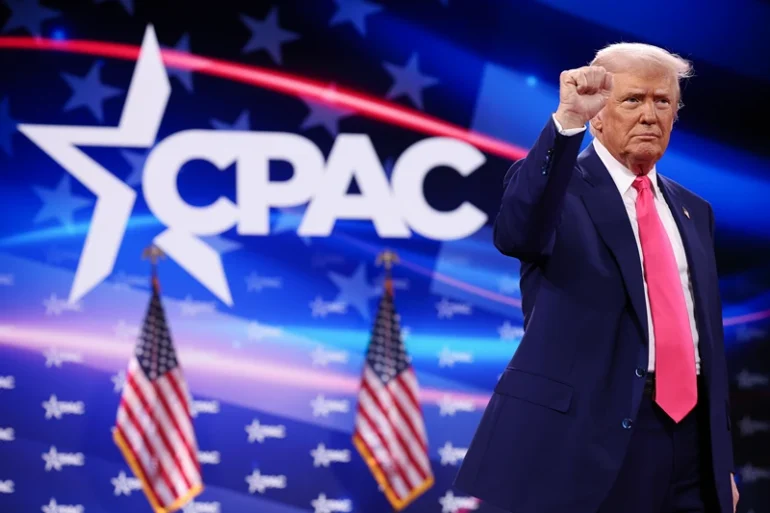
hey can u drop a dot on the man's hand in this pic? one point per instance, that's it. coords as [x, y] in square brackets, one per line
[735, 493]
[583, 92]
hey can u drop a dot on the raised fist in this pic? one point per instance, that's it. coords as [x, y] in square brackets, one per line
[583, 92]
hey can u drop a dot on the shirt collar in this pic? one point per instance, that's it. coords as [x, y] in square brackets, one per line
[621, 175]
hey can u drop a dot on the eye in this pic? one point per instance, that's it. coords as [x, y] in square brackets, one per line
[632, 99]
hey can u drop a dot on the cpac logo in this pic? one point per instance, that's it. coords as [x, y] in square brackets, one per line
[322, 504]
[323, 357]
[7, 382]
[55, 460]
[54, 408]
[202, 507]
[54, 507]
[260, 432]
[395, 208]
[209, 457]
[452, 504]
[323, 457]
[451, 455]
[448, 358]
[748, 426]
[54, 358]
[7, 434]
[124, 485]
[260, 483]
[208, 407]
[322, 406]
[449, 405]
[447, 309]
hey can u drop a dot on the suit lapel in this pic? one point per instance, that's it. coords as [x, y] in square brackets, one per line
[605, 206]
[693, 248]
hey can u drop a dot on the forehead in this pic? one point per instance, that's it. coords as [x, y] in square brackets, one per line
[645, 80]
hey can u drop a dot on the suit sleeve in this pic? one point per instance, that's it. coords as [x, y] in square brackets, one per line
[534, 191]
[719, 331]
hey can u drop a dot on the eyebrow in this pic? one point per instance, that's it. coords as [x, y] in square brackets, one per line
[657, 92]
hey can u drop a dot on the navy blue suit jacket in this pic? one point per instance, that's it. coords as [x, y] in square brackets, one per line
[555, 431]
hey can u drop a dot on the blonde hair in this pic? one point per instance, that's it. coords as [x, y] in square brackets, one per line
[619, 57]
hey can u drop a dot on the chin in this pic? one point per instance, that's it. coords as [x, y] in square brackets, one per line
[647, 151]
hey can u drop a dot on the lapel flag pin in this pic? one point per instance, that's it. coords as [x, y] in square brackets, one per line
[686, 213]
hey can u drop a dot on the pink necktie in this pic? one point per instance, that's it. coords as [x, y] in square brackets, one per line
[676, 389]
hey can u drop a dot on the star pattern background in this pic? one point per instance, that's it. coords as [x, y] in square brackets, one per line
[488, 67]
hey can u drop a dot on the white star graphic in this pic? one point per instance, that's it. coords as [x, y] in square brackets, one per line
[52, 409]
[51, 507]
[145, 103]
[409, 80]
[119, 381]
[123, 484]
[51, 459]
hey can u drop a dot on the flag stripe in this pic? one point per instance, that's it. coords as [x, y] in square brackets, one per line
[133, 443]
[137, 434]
[132, 457]
[369, 412]
[153, 426]
[177, 433]
[156, 444]
[410, 388]
[171, 443]
[387, 466]
[176, 380]
[165, 387]
[390, 399]
[390, 428]
[171, 434]
[385, 425]
[388, 416]
[404, 401]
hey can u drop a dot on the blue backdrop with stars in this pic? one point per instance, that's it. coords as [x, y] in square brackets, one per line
[274, 377]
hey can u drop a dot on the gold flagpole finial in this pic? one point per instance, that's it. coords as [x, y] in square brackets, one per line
[153, 253]
[387, 259]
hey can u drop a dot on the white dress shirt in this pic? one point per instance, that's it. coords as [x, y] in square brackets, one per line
[624, 178]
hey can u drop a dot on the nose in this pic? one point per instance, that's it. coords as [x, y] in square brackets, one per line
[649, 115]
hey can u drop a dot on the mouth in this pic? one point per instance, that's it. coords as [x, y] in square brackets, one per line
[647, 137]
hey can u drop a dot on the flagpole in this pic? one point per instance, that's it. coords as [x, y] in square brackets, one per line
[153, 253]
[387, 259]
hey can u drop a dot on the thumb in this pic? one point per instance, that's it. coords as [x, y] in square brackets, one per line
[607, 83]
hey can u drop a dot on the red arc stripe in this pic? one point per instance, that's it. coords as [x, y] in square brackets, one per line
[281, 82]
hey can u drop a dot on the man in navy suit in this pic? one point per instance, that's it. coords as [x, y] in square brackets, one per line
[616, 400]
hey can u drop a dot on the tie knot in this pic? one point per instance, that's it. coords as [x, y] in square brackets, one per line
[642, 183]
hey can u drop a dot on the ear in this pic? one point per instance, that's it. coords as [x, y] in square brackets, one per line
[596, 122]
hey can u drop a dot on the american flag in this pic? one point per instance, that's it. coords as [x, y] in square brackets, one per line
[389, 428]
[154, 427]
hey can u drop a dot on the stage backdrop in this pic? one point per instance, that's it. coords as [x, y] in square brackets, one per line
[273, 150]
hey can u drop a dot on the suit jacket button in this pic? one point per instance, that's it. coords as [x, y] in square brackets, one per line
[627, 423]
[640, 372]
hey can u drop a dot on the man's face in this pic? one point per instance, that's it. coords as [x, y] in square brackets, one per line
[635, 125]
